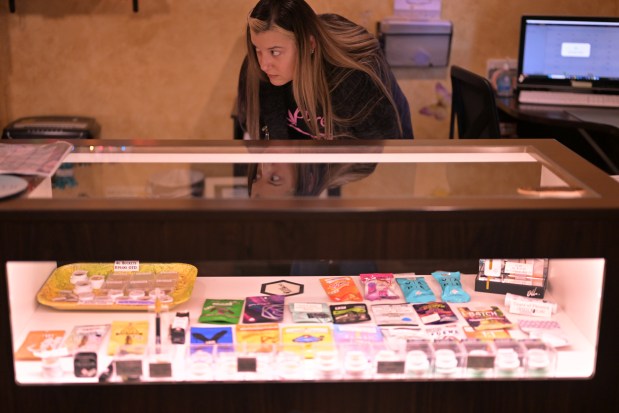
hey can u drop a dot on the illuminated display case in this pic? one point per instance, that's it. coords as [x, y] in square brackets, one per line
[310, 211]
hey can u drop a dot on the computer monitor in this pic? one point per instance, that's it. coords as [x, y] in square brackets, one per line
[567, 52]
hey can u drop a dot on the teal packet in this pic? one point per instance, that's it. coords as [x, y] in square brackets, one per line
[310, 313]
[453, 292]
[416, 290]
[221, 311]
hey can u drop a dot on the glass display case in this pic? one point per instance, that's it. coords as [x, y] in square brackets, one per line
[115, 261]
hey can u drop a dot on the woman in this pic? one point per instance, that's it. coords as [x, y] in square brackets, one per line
[320, 77]
[276, 180]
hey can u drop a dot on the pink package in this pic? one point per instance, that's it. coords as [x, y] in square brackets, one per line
[378, 286]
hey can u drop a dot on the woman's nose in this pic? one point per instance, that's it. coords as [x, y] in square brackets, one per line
[265, 63]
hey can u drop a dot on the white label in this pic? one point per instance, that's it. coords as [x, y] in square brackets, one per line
[430, 318]
[180, 322]
[308, 307]
[126, 266]
[531, 308]
[492, 268]
[575, 49]
[518, 268]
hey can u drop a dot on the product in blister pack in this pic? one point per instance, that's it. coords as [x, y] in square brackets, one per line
[221, 311]
[264, 309]
[525, 277]
[341, 289]
[86, 337]
[210, 335]
[356, 334]
[307, 339]
[415, 289]
[38, 341]
[485, 318]
[378, 286]
[127, 333]
[259, 337]
[310, 313]
[548, 331]
[452, 287]
[435, 312]
[349, 313]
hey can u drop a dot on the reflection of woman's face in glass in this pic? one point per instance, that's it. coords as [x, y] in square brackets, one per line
[274, 180]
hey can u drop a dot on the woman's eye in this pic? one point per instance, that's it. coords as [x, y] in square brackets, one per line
[275, 179]
[275, 52]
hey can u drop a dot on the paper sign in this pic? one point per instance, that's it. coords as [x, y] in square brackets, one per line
[126, 266]
[518, 268]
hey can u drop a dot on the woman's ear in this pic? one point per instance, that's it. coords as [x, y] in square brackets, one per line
[312, 44]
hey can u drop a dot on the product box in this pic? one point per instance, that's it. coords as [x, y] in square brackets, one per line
[526, 276]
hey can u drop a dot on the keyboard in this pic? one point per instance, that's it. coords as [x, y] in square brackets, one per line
[544, 97]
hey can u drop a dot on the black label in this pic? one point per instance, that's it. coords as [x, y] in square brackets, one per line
[246, 365]
[390, 367]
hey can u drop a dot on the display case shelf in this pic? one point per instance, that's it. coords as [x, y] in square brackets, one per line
[575, 359]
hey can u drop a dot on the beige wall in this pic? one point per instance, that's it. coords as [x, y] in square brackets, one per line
[170, 70]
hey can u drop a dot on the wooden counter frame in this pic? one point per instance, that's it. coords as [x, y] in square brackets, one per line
[187, 230]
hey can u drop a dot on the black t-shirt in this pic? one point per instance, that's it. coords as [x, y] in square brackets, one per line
[282, 119]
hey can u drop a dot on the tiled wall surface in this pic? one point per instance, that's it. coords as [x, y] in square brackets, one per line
[170, 71]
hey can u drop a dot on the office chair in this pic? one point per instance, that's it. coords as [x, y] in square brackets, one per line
[473, 106]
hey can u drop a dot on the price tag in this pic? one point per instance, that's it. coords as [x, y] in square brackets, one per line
[129, 368]
[246, 364]
[160, 369]
[126, 266]
[390, 367]
[480, 362]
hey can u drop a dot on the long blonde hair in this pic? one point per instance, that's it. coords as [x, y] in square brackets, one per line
[340, 47]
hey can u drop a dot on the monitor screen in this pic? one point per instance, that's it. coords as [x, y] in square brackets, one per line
[560, 52]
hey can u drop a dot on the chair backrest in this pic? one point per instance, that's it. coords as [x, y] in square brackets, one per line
[472, 106]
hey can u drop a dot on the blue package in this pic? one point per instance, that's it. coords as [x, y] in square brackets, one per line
[452, 287]
[416, 290]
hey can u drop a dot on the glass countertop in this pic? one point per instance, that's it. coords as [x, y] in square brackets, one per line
[351, 170]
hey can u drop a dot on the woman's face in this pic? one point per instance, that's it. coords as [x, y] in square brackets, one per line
[274, 180]
[277, 55]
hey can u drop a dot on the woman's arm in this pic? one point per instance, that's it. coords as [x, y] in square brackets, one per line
[364, 112]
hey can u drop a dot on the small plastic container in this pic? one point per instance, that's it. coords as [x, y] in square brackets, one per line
[82, 287]
[290, 365]
[129, 362]
[389, 364]
[356, 364]
[78, 276]
[327, 364]
[480, 357]
[539, 358]
[160, 359]
[449, 358]
[96, 281]
[199, 361]
[509, 358]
